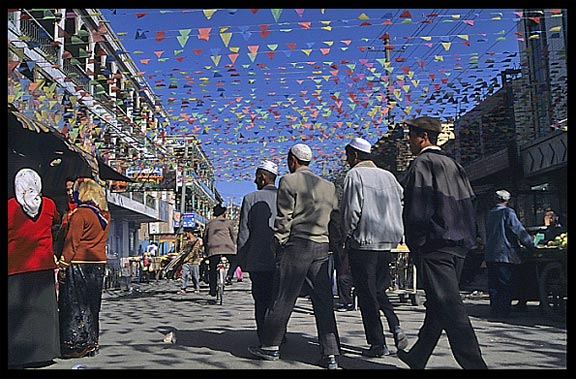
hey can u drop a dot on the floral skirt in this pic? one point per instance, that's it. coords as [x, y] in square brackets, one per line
[79, 301]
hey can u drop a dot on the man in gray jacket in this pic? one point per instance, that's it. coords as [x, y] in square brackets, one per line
[256, 238]
[372, 226]
[306, 204]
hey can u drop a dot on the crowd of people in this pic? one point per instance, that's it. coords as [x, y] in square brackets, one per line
[286, 236]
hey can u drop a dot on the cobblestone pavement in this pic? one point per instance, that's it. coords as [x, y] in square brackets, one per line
[153, 327]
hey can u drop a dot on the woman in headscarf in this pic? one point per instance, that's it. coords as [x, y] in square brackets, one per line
[33, 338]
[81, 274]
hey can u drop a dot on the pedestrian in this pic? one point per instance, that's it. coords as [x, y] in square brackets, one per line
[344, 282]
[256, 238]
[505, 235]
[191, 262]
[219, 240]
[81, 274]
[33, 337]
[305, 205]
[60, 234]
[440, 228]
[372, 226]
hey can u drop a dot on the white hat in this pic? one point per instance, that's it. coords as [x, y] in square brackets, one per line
[269, 166]
[302, 152]
[503, 195]
[361, 144]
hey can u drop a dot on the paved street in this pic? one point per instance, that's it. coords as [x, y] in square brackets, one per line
[135, 327]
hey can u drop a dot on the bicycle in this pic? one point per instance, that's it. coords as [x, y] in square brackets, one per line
[221, 269]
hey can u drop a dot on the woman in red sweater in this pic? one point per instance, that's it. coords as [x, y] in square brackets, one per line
[81, 274]
[33, 338]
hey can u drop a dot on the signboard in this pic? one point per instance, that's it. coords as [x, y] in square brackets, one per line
[157, 178]
[187, 218]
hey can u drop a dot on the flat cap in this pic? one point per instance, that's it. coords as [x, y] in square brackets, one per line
[269, 166]
[361, 144]
[302, 152]
[426, 123]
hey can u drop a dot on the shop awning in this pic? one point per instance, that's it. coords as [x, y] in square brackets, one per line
[108, 173]
[56, 141]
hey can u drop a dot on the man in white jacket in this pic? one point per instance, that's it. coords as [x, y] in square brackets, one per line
[372, 225]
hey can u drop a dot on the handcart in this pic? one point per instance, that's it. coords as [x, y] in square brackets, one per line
[543, 276]
[403, 273]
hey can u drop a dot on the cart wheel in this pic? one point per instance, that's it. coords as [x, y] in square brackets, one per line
[402, 298]
[414, 300]
[552, 288]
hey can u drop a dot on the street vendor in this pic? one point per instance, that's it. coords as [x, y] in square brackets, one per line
[553, 226]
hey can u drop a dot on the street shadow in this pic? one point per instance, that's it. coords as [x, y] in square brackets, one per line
[299, 348]
[532, 316]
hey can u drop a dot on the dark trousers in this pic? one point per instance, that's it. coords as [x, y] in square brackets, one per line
[345, 284]
[371, 276]
[261, 282]
[302, 259]
[439, 274]
[212, 277]
[502, 279]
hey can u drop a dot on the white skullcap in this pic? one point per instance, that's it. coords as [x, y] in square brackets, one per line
[361, 144]
[503, 195]
[302, 152]
[269, 166]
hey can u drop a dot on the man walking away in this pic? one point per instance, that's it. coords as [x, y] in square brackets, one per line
[256, 238]
[305, 205]
[371, 226]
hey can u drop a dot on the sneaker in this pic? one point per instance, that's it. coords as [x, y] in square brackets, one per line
[228, 281]
[269, 355]
[376, 351]
[182, 292]
[400, 339]
[329, 362]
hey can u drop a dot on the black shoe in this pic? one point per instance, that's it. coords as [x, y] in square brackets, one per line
[228, 281]
[376, 351]
[405, 357]
[345, 308]
[269, 355]
[400, 339]
[329, 361]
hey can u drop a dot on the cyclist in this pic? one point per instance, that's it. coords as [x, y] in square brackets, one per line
[219, 240]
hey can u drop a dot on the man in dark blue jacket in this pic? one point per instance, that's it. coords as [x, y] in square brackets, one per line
[440, 228]
[504, 235]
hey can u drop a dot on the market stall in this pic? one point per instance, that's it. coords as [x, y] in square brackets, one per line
[544, 274]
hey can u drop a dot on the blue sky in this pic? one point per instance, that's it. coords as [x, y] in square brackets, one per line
[250, 83]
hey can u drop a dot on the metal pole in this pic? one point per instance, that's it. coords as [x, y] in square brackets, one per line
[183, 196]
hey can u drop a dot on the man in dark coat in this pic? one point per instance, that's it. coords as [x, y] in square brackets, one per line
[440, 227]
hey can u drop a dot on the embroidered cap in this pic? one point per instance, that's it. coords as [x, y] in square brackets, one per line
[302, 152]
[361, 144]
[503, 195]
[426, 123]
[269, 166]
